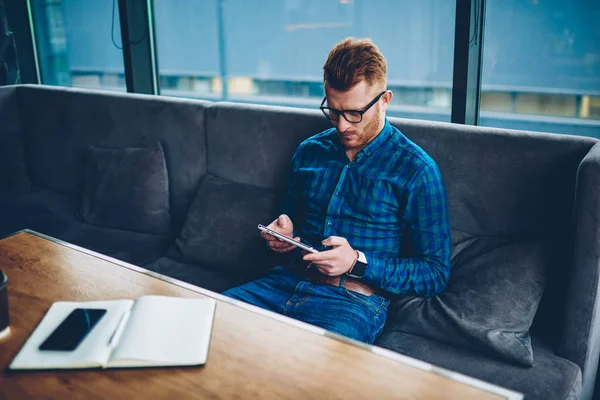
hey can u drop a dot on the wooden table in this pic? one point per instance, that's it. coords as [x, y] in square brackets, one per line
[253, 354]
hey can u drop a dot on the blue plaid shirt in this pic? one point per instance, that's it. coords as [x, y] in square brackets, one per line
[389, 203]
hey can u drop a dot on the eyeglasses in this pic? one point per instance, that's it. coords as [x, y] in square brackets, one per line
[352, 116]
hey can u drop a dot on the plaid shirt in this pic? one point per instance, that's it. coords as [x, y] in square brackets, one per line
[389, 203]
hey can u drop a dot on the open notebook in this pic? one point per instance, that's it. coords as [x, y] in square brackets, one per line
[152, 331]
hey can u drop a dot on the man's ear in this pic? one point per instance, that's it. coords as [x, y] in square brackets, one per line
[387, 98]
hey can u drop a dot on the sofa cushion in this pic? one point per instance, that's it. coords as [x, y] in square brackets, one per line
[12, 152]
[489, 303]
[132, 247]
[127, 188]
[221, 231]
[196, 274]
[552, 377]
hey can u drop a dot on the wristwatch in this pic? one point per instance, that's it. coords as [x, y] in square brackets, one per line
[359, 267]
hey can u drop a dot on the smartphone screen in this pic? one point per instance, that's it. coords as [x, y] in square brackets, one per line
[71, 332]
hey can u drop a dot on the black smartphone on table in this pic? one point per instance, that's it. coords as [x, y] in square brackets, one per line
[71, 332]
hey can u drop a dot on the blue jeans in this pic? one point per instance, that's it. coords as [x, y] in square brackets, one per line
[333, 308]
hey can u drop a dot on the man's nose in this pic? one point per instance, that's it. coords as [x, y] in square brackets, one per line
[342, 124]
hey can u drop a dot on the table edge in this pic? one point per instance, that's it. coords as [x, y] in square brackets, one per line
[379, 351]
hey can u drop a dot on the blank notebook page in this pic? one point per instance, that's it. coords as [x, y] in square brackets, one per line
[166, 331]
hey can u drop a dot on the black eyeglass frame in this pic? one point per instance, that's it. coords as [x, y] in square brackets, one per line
[325, 110]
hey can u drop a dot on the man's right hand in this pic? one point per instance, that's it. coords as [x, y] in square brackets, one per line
[283, 225]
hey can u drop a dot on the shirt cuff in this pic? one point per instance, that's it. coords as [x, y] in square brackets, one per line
[361, 257]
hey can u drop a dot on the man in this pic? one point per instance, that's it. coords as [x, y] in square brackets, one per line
[374, 198]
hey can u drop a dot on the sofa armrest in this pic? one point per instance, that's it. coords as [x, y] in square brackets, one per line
[580, 340]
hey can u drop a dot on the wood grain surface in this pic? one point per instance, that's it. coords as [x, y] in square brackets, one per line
[251, 355]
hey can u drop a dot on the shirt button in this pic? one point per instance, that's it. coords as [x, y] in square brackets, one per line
[348, 166]
[329, 223]
[338, 194]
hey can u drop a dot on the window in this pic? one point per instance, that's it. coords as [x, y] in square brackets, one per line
[187, 48]
[541, 66]
[273, 52]
[78, 43]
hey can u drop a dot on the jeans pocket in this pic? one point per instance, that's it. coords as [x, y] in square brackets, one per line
[376, 303]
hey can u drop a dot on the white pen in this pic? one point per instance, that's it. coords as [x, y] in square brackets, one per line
[119, 329]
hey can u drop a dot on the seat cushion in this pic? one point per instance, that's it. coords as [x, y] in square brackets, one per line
[489, 303]
[196, 274]
[53, 214]
[132, 247]
[551, 377]
[127, 188]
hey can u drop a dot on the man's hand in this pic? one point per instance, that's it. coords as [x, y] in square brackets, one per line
[336, 261]
[283, 225]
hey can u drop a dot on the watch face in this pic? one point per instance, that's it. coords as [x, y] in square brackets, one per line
[359, 269]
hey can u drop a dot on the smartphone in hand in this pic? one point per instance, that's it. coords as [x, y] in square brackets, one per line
[288, 239]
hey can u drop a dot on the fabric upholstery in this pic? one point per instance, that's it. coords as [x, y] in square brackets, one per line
[172, 265]
[127, 188]
[552, 377]
[68, 121]
[221, 231]
[262, 156]
[132, 247]
[501, 182]
[489, 303]
[13, 175]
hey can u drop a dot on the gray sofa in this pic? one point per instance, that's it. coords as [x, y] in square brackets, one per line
[227, 166]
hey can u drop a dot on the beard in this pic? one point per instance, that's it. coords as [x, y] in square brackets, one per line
[366, 134]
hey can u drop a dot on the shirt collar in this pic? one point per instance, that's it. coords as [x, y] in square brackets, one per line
[376, 143]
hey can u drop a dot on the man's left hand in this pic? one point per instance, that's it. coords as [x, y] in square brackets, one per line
[336, 261]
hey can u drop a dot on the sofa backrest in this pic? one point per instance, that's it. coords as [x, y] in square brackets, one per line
[254, 144]
[61, 123]
[501, 182]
